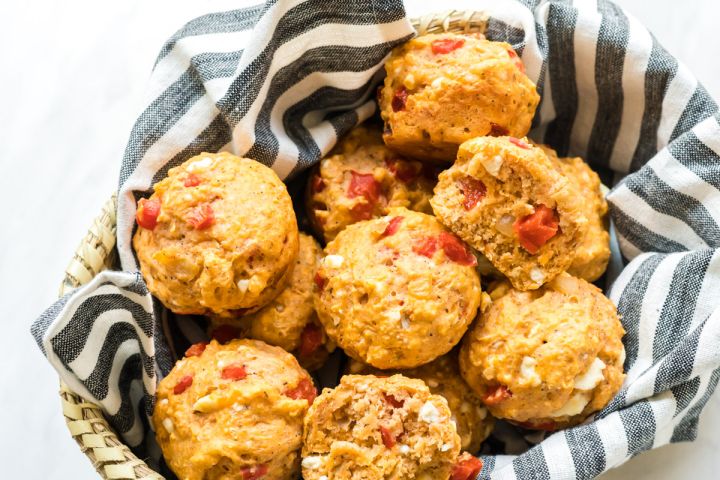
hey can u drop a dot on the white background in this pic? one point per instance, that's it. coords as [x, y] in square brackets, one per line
[72, 76]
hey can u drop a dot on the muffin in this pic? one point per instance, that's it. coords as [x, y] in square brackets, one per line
[233, 411]
[506, 198]
[397, 291]
[547, 358]
[289, 320]
[362, 179]
[442, 376]
[218, 236]
[379, 428]
[444, 89]
[593, 253]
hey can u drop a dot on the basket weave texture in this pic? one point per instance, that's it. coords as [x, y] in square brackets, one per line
[111, 458]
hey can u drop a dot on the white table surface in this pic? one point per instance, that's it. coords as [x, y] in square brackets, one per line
[72, 78]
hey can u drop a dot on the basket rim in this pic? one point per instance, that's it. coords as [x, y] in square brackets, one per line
[97, 251]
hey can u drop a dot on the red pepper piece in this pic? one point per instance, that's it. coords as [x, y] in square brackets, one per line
[305, 389]
[474, 191]
[363, 185]
[496, 395]
[497, 130]
[514, 57]
[446, 45]
[399, 99]
[536, 229]
[362, 211]
[402, 169]
[468, 468]
[234, 371]
[426, 246]
[224, 333]
[183, 384]
[392, 401]
[519, 143]
[456, 250]
[192, 180]
[196, 349]
[392, 227]
[388, 438]
[254, 473]
[318, 184]
[201, 217]
[147, 212]
[320, 281]
[311, 339]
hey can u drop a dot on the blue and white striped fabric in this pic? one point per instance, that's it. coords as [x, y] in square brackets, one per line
[282, 81]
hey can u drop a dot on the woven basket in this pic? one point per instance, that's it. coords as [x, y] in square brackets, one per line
[110, 457]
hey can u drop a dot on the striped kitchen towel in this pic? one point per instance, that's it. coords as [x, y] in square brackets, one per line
[282, 81]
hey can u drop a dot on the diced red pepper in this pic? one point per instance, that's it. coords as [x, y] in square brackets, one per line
[183, 384]
[388, 438]
[426, 246]
[519, 143]
[497, 130]
[468, 468]
[362, 211]
[201, 217]
[196, 349]
[311, 339]
[446, 45]
[192, 180]
[363, 185]
[320, 281]
[536, 229]
[392, 227]
[147, 212]
[305, 389]
[456, 250]
[399, 99]
[254, 473]
[403, 170]
[514, 57]
[234, 371]
[318, 184]
[474, 191]
[392, 401]
[224, 333]
[496, 395]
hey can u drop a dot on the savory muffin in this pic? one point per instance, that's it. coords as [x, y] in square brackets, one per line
[362, 179]
[506, 198]
[233, 411]
[444, 89]
[592, 255]
[442, 376]
[218, 236]
[397, 291]
[379, 428]
[289, 320]
[547, 358]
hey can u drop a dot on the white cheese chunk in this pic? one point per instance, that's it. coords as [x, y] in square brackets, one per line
[428, 413]
[592, 376]
[528, 374]
[333, 261]
[168, 424]
[492, 164]
[574, 406]
[312, 463]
